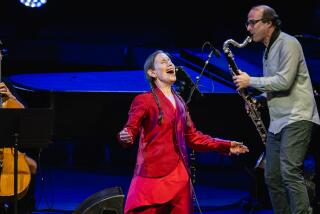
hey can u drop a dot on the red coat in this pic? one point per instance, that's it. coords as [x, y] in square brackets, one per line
[161, 146]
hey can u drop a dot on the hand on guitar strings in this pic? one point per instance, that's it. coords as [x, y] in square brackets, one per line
[5, 92]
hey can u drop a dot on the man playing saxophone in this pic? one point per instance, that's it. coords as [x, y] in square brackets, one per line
[287, 88]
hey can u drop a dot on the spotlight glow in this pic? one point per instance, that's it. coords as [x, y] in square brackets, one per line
[33, 3]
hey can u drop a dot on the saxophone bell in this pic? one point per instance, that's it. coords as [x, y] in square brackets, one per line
[261, 161]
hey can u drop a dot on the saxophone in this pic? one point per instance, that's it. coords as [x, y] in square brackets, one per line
[252, 104]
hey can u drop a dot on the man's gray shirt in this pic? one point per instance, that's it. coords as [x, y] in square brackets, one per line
[287, 84]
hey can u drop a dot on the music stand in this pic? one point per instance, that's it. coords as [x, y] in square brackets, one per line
[24, 128]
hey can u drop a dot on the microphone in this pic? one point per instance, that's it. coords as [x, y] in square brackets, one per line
[184, 83]
[215, 51]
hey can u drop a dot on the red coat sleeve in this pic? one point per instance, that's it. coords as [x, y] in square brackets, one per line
[135, 116]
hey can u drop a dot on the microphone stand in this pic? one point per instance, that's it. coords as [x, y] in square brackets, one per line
[192, 155]
[201, 73]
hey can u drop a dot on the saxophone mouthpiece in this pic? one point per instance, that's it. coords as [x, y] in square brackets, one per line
[249, 39]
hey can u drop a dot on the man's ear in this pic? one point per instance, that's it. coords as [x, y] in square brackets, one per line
[152, 73]
[270, 24]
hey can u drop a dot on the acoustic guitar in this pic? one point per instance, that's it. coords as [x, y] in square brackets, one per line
[7, 166]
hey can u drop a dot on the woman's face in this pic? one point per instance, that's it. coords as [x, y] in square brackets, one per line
[164, 69]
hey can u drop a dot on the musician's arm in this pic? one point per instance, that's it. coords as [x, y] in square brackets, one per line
[32, 164]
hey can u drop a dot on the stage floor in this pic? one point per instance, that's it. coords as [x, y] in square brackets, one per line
[63, 190]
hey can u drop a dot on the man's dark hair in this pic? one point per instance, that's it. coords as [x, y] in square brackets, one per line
[269, 15]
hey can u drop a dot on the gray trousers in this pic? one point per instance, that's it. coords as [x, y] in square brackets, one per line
[285, 153]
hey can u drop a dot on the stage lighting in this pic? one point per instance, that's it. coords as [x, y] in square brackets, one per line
[33, 3]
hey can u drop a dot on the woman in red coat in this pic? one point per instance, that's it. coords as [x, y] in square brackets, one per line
[161, 181]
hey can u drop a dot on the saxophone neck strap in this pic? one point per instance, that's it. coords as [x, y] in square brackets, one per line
[273, 38]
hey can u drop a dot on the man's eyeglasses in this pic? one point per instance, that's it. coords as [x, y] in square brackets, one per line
[252, 22]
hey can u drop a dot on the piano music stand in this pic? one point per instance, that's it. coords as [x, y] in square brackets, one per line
[24, 128]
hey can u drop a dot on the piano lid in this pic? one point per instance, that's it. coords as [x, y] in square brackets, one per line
[103, 81]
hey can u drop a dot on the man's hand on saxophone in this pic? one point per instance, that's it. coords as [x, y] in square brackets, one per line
[242, 80]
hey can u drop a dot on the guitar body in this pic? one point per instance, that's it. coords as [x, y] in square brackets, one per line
[12, 103]
[7, 174]
[7, 166]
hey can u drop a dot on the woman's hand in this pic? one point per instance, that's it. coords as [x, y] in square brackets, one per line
[125, 137]
[238, 148]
